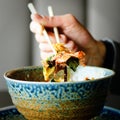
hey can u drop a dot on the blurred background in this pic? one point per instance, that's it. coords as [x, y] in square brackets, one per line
[17, 44]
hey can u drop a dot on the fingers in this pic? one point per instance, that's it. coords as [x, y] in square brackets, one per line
[63, 39]
[70, 27]
[36, 27]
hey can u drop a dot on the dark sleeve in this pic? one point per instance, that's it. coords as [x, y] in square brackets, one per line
[112, 61]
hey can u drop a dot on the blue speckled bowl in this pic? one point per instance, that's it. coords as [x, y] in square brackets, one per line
[39, 100]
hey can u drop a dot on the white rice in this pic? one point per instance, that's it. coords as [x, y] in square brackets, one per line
[82, 73]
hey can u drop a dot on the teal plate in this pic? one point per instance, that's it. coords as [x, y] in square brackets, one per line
[11, 113]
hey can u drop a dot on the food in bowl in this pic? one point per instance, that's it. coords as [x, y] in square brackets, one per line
[37, 99]
[59, 67]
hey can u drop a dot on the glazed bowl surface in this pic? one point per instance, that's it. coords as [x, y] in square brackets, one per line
[39, 100]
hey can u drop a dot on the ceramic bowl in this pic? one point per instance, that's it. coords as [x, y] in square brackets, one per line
[39, 100]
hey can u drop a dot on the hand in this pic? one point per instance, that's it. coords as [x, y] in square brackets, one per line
[72, 33]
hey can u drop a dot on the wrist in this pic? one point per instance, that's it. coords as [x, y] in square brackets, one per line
[95, 55]
[102, 49]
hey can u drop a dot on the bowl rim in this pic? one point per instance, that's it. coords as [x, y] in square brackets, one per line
[34, 82]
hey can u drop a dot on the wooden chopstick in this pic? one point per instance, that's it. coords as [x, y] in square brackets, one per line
[50, 11]
[33, 11]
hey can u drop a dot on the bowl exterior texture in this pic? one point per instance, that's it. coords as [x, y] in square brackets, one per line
[56, 101]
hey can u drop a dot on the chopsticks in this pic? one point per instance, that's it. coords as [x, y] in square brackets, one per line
[33, 11]
[50, 11]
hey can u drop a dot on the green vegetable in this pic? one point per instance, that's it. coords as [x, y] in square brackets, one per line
[73, 63]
